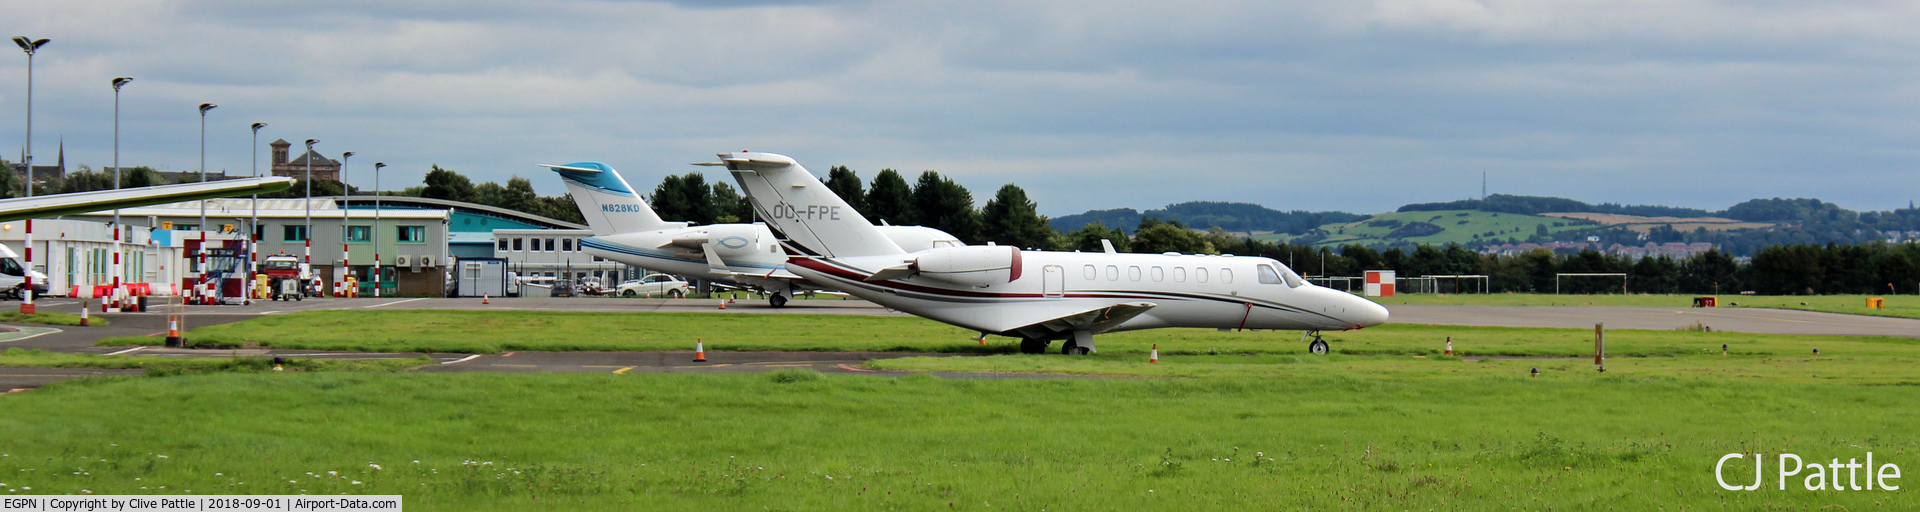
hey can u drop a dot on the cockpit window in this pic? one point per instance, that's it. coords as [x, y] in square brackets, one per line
[1268, 276]
[1284, 276]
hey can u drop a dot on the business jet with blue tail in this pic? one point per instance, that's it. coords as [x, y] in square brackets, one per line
[1037, 296]
[627, 230]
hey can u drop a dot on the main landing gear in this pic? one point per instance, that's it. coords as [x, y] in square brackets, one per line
[1319, 346]
[778, 300]
[1033, 346]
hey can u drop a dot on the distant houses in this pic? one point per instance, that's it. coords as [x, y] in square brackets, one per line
[1675, 250]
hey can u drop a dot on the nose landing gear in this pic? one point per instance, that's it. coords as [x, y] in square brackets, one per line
[1319, 346]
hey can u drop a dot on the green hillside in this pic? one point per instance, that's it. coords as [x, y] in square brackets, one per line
[1454, 226]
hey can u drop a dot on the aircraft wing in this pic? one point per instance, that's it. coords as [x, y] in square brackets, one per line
[1098, 320]
[86, 202]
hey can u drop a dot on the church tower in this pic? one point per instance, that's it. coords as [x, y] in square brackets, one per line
[280, 151]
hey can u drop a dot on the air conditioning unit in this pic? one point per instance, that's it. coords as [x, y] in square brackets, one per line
[426, 261]
[402, 261]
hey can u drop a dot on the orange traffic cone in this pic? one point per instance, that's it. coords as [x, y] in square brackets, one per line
[173, 331]
[1449, 345]
[486, 299]
[723, 305]
[699, 351]
[1154, 357]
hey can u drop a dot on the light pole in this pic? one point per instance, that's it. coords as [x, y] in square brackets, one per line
[253, 226]
[204, 107]
[377, 276]
[307, 236]
[31, 46]
[118, 268]
[346, 224]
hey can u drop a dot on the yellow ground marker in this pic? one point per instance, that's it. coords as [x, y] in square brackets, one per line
[622, 371]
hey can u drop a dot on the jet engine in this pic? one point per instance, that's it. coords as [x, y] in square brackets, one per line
[734, 240]
[974, 265]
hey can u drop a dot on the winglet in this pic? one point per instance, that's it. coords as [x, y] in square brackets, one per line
[1108, 246]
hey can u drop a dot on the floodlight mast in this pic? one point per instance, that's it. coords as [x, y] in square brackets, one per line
[253, 226]
[204, 107]
[377, 275]
[31, 46]
[119, 268]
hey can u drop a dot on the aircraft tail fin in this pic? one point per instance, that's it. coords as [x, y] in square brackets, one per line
[798, 204]
[605, 199]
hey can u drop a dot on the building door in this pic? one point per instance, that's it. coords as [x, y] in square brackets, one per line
[1054, 283]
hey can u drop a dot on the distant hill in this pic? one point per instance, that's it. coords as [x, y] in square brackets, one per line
[1241, 217]
[1535, 205]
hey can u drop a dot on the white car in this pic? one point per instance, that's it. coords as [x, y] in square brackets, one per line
[656, 285]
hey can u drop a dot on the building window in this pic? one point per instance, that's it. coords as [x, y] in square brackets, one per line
[502, 244]
[516, 245]
[549, 245]
[359, 233]
[293, 233]
[412, 234]
[259, 233]
[566, 244]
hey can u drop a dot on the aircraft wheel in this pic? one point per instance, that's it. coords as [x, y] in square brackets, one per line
[1032, 346]
[778, 300]
[1072, 349]
[1318, 347]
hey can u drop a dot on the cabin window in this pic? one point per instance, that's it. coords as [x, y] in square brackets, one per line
[1179, 274]
[1113, 272]
[1226, 275]
[1133, 273]
[1200, 274]
[1158, 274]
[1091, 272]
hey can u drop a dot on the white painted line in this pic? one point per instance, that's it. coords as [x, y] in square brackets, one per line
[463, 359]
[392, 303]
[127, 350]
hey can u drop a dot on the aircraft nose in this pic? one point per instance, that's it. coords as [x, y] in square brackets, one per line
[1365, 313]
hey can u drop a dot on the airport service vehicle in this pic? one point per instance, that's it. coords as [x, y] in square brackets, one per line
[627, 230]
[1037, 296]
[285, 277]
[13, 276]
[656, 285]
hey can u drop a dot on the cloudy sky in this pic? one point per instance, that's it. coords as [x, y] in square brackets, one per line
[1359, 106]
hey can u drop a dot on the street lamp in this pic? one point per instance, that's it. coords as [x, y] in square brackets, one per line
[307, 236]
[204, 107]
[30, 46]
[253, 255]
[118, 270]
[377, 276]
[346, 224]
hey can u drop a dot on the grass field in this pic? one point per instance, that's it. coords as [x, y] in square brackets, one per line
[500, 331]
[48, 318]
[800, 441]
[1459, 226]
[157, 366]
[1904, 306]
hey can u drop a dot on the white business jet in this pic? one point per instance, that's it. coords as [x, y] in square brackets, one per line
[627, 230]
[1038, 296]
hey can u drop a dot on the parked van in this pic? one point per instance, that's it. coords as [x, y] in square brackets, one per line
[13, 276]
